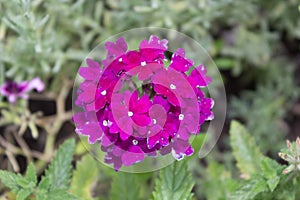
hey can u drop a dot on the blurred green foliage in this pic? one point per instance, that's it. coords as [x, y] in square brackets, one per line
[264, 180]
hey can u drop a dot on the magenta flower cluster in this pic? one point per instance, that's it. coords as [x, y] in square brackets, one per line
[138, 103]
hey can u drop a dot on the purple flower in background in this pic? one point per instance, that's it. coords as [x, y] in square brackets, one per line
[135, 106]
[13, 90]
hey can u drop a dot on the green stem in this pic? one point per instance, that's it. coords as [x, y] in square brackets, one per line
[50, 143]
[1, 78]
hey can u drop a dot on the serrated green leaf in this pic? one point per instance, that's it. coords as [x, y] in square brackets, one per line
[270, 169]
[44, 184]
[23, 194]
[23, 182]
[84, 177]
[175, 182]
[124, 186]
[31, 175]
[59, 171]
[61, 195]
[249, 189]
[41, 196]
[245, 150]
[218, 182]
[10, 180]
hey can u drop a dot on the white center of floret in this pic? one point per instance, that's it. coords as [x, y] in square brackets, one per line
[181, 117]
[120, 59]
[135, 142]
[154, 121]
[103, 92]
[107, 123]
[173, 87]
[143, 63]
[130, 114]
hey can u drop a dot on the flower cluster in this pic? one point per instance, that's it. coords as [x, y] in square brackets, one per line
[140, 102]
[292, 156]
[13, 90]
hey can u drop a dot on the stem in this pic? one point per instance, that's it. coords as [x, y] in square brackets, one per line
[23, 146]
[50, 144]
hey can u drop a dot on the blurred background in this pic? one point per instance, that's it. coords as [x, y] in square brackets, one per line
[255, 44]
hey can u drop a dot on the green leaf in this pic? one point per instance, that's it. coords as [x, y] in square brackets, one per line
[197, 143]
[245, 151]
[218, 182]
[31, 175]
[23, 182]
[23, 194]
[249, 189]
[44, 184]
[11, 180]
[175, 182]
[84, 177]
[124, 186]
[61, 195]
[270, 169]
[59, 171]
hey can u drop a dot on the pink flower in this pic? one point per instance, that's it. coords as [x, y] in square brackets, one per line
[114, 50]
[145, 71]
[92, 72]
[87, 124]
[179, 62]
[132, 123]
[198, 77]
[172, 85]
[13, 90]
[153, 48]
[130, 112]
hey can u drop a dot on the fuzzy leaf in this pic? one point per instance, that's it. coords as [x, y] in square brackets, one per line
[44, 184]
[59, 171]
[84, 177]
[218, 182]
[175, 182]
[270, 169]
[23, 194]
[11, 180]
[245, 150]
[31, 175]
[124, 186]
[249, 189]
[60, 195]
